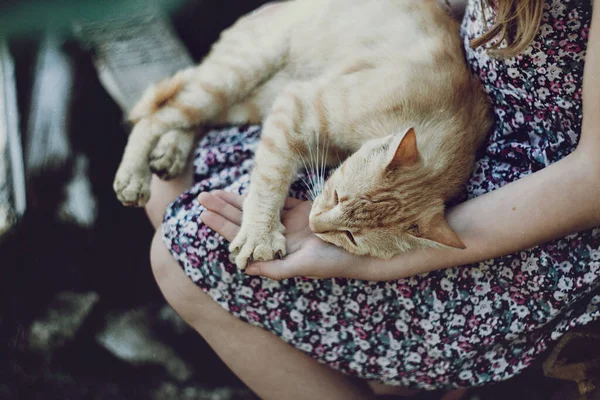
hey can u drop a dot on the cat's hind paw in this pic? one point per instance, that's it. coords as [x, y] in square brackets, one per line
[132, 188]
[251, 246]
[170, 156]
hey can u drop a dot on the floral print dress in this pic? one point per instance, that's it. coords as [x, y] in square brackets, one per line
[463, 326]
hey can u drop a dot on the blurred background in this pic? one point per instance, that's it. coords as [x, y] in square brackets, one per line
[80, 314]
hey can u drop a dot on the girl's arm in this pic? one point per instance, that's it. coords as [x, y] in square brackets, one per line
[561, 199]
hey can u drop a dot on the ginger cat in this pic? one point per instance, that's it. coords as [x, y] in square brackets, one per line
[381, 84]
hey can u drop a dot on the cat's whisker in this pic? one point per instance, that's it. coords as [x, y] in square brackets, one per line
[324, 166]
[317, 163]
[313, 159]
[309, 189]
[310, 164]
[319, 169]
[307, 186]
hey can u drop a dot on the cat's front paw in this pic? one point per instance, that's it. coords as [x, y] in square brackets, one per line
[252, 245]
[132, 186]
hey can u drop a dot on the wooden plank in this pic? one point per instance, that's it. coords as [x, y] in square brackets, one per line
[12, 176]
[48, 146]
[133, 52]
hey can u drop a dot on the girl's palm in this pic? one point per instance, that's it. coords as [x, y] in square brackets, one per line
[308, 256]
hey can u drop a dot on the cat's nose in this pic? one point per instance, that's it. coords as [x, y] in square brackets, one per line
[319, 225]
[316, 225]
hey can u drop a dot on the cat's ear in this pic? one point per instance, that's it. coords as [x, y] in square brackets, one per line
[406, 153]
[438, 230]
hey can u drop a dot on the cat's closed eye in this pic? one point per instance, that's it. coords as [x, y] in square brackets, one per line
[350, 237]
[413, 229]
[336, 198]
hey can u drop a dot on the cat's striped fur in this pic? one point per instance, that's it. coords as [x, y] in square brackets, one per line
[328, 79]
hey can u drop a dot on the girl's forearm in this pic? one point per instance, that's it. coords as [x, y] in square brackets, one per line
[561, 199]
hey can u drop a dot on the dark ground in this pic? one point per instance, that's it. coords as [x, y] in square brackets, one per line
[44, 256]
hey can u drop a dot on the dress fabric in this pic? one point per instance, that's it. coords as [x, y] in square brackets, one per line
[463, 326]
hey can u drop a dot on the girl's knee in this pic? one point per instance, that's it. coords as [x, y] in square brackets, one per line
[161, 260]
[161, 196]
[188, 300]
[168, 275]
[164, 193]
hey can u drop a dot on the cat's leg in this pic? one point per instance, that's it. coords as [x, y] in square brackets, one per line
[171, 154]
[323, 112]
[132, 181]
[289, 134]
[254, 108]
[246, 55]
[276, 164]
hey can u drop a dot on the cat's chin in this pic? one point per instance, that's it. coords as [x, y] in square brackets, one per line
[351, 249]
[382, 255]
[332, 240]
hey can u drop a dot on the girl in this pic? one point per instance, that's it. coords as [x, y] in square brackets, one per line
[437, 319]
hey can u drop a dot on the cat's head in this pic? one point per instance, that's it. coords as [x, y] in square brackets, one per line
[381, 202]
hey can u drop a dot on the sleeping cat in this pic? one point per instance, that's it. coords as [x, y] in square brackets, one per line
[380, 84]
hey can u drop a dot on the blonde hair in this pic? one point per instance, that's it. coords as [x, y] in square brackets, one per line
[517, 22]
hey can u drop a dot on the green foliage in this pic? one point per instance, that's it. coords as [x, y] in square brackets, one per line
[27, 17]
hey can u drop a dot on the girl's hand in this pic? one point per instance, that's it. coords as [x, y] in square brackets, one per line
[307, 255]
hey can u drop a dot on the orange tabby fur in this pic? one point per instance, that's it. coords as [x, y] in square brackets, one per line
[383, 81]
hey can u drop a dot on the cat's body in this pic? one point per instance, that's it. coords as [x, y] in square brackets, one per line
[349, 77]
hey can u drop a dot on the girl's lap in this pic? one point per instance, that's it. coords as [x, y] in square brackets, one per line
[460, 326]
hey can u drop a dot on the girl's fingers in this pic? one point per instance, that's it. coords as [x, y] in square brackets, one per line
[234, 199]
[291, 266]
[220, 224]
[218, 205]
[275, 269]
[237, 200]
